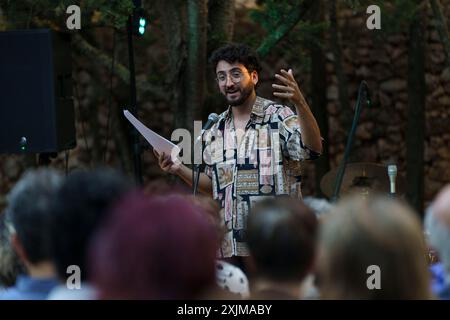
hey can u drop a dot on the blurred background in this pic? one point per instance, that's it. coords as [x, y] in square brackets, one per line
[328, 45]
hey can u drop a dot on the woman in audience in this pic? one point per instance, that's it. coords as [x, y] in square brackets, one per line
[372, 248]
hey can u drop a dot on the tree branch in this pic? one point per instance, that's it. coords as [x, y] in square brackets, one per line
[279, 33]
[119, 69]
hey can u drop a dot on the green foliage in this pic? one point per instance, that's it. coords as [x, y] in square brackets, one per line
[22, 14]
[307, 32]
[113, 13]
[272, 12]
[353, 4]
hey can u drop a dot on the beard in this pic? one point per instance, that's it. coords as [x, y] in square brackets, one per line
[245, 92]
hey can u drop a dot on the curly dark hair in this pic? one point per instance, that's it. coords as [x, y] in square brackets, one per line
[82, 203]
[236, 52]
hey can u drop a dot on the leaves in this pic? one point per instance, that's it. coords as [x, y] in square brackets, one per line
[273, 12]
[113, 13]
[288, 20]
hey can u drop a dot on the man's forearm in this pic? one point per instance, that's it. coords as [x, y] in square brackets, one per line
[310, 130]
[204, 184]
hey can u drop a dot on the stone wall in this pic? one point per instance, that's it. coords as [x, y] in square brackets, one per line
[381, 132]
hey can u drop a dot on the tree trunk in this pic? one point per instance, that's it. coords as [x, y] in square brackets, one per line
[221, 18]
[416, 112]
[221, 15]
[341, 78]
[194, 78]
[184, 25]
[319, 95]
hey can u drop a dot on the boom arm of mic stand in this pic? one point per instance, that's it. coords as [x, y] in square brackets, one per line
[362, 93]
[195, 170]
[196, 178]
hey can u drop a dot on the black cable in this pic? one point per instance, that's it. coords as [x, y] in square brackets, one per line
[113, 56]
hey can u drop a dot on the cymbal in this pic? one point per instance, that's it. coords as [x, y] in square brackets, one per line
[361, 177]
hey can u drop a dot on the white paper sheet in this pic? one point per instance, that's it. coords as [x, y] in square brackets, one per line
[159, 143]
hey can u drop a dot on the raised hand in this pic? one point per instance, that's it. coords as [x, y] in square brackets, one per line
[289, 89]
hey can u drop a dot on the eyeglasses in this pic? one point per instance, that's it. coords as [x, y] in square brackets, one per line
[235, 75]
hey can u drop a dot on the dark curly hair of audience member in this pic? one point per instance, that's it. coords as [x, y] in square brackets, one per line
[82, 203]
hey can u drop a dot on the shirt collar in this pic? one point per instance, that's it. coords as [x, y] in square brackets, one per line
[258, 109]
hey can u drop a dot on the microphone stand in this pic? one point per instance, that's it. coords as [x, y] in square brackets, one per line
[362, 96]
[212, 118]
[196, 178]
[133, 105]
[196, 169]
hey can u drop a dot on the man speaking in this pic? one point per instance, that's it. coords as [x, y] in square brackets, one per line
[255, 149]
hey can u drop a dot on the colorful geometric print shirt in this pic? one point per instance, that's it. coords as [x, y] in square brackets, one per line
[266, 164]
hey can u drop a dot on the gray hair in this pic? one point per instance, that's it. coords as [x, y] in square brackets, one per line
[320, 207]
[32, 189]
[29, 207]
[10, 265]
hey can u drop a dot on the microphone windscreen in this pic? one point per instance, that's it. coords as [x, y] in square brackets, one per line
[213, 117]
[392, 170]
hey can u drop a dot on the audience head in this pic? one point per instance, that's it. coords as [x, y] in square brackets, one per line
[28, 212]
[81, 205]
[159, 247]
[363, 237]
[212, 210]
[10, 265]
[282, 239]
[320, 206]
[437, 225]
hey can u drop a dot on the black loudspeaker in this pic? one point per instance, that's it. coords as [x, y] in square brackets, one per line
[36, 102]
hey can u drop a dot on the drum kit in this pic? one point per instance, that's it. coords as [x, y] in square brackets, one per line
[364, 178]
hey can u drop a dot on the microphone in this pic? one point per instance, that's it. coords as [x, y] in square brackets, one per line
[212, 118]
[392, 173]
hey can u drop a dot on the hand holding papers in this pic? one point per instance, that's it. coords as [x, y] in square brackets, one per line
[160, 144]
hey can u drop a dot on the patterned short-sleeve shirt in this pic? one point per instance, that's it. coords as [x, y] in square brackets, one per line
[266, 164]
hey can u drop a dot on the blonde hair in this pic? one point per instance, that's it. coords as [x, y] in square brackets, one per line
[361, 232]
